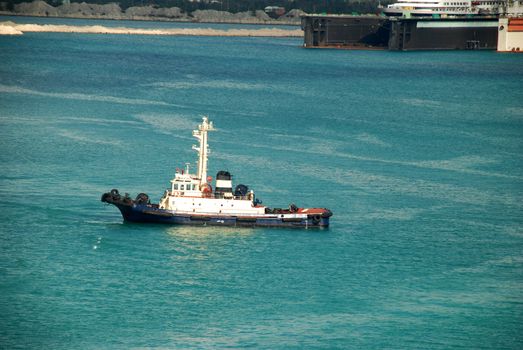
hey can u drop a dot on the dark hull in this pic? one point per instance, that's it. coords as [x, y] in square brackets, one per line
[420, 33]
[443, 34]
[345, 31]
[150, 213]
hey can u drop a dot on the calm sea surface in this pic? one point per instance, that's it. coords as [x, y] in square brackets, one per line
[419, 156]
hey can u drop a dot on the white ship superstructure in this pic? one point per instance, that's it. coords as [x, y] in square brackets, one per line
[192, 193]
[445, 7]
[510, 30]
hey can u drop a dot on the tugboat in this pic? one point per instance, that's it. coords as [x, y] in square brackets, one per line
[192, 201]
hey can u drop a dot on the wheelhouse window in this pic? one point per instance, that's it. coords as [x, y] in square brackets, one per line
[182, 187]
[175, 187]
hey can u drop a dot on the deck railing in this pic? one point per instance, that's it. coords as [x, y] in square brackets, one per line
[211, 195]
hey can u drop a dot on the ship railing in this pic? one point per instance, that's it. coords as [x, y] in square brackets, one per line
[208, 195]
[221, 196]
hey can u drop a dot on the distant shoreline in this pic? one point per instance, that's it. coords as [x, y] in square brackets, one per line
[167, 20]
[113, 11]
[11, 28]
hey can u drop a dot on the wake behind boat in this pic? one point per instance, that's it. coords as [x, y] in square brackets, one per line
[192, 201]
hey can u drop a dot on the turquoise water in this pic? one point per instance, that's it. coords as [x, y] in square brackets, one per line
[419, 156]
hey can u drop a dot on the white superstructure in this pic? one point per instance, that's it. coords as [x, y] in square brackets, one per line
[192, 193]
[445, 7]
[510, 34]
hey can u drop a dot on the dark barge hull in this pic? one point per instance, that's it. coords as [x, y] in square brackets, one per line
[150, 213]
[403, 34]
[443, 34]
[340, 31]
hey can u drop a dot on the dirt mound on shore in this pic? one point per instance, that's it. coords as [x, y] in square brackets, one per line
[114, 11]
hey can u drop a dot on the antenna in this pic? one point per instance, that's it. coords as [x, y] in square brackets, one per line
[203, 149]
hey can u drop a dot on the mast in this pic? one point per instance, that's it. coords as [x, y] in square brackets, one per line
[203, 148]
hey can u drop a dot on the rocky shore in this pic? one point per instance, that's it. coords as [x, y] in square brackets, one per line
[145, 13]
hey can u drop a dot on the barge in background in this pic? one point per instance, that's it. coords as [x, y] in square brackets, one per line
[400, 33]
[192, 201]
[344, 31]
[475, 33]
